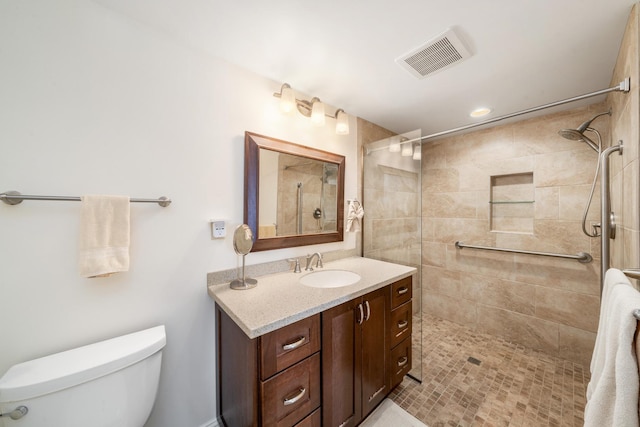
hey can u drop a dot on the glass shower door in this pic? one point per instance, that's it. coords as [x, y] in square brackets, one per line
[392, 225]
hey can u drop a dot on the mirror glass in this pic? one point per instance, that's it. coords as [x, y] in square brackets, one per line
[294, 195]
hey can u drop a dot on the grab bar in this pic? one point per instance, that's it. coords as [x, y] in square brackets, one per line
[14, 198]
[582, 257]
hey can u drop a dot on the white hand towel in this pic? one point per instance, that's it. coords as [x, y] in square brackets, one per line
[612, 393]
[354, 215]
[104, 235]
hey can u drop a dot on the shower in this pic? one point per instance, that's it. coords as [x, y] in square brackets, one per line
[578, 134]
[607, 228]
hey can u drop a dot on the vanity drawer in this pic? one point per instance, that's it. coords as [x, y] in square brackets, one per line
[400, 325]
[312, 420]
[288, 345]
[292, 394]
[400, 362]
[400, 292]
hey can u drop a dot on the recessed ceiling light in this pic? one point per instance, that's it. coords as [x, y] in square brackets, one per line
[479, 112]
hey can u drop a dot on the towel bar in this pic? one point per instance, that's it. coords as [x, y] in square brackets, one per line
[582, 257]
[14, 198]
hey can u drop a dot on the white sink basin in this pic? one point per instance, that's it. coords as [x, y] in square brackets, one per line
[329, 278]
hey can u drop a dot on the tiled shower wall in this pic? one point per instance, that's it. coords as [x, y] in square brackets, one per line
[550, 304]
[625, 169]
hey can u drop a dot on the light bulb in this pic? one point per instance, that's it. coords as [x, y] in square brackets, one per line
[342, 123]
[287, 99]
[317, 112]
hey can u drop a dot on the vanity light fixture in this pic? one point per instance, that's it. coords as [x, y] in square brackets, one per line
[342, 122]
[287, 98]
[407, 150]
[317, 112]
[314, 109]
[394, 146]
[417, 152]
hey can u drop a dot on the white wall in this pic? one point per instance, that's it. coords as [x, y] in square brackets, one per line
[92, 102]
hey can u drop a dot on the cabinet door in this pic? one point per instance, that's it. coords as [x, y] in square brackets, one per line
[341, 387]
[375, 381]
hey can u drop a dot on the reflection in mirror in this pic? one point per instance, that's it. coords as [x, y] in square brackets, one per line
[293, 194]
[297, 196]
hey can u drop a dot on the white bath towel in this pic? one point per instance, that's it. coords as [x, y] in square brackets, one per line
[355, 214]
[612, 393]
[104, 235]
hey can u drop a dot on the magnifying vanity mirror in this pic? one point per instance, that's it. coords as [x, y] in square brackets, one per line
[294, 195]
[242, 243]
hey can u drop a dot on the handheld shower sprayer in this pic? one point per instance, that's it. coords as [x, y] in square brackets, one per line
[578, 133]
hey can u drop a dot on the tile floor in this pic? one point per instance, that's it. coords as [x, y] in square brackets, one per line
[472, 379]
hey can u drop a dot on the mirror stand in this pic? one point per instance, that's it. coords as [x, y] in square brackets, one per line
[243, 282]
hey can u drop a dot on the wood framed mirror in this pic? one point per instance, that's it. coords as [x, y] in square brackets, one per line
[293, 194]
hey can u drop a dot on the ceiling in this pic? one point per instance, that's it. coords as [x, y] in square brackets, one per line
[524, 53]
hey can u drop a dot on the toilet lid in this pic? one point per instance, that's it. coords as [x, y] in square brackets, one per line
[66, 369]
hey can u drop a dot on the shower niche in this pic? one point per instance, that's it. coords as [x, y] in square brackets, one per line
[512, 199]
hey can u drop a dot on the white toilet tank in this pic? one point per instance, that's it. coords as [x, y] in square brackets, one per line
[111, 383]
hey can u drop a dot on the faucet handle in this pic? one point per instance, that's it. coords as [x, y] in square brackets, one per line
[319, 262]
[296, 268]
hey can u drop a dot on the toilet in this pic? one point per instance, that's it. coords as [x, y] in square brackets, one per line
[107, 384]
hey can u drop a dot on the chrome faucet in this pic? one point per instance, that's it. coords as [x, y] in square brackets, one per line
[310, 260]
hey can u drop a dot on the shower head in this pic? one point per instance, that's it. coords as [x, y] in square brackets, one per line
[578, 134]
[571, 134]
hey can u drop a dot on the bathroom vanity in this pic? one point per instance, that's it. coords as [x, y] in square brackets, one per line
[290, 355]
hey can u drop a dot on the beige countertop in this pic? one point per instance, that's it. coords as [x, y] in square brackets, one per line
[279, 299]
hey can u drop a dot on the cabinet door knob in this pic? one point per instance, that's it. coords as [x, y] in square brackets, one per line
[294, 344]
[368, 315]
[402, 324]
[403, 290]
[402, 361]
[291, 400]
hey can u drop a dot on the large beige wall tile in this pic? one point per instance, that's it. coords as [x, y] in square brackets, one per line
[434, 254]
[573, 200]
[569, 308]
[576, 345]
[450, 205]
[547, 205]
[564, 168]
[463, 312]
[568, 275]
[500, 293]
[631, 196]
[526, 330]
[440, 180]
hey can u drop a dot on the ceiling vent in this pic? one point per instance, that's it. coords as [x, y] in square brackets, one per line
[437, 54]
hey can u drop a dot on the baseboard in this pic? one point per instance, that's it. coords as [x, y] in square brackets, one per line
[212, 423]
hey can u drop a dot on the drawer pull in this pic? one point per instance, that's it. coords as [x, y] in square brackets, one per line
[360, 319]
[402, 361]
[368, 315]
[295, 344]
[403, 290]
[294, 399]
[402, 324]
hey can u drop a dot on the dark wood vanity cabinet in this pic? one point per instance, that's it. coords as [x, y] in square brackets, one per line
[330, 369]
[354, 358]
[272, 380]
